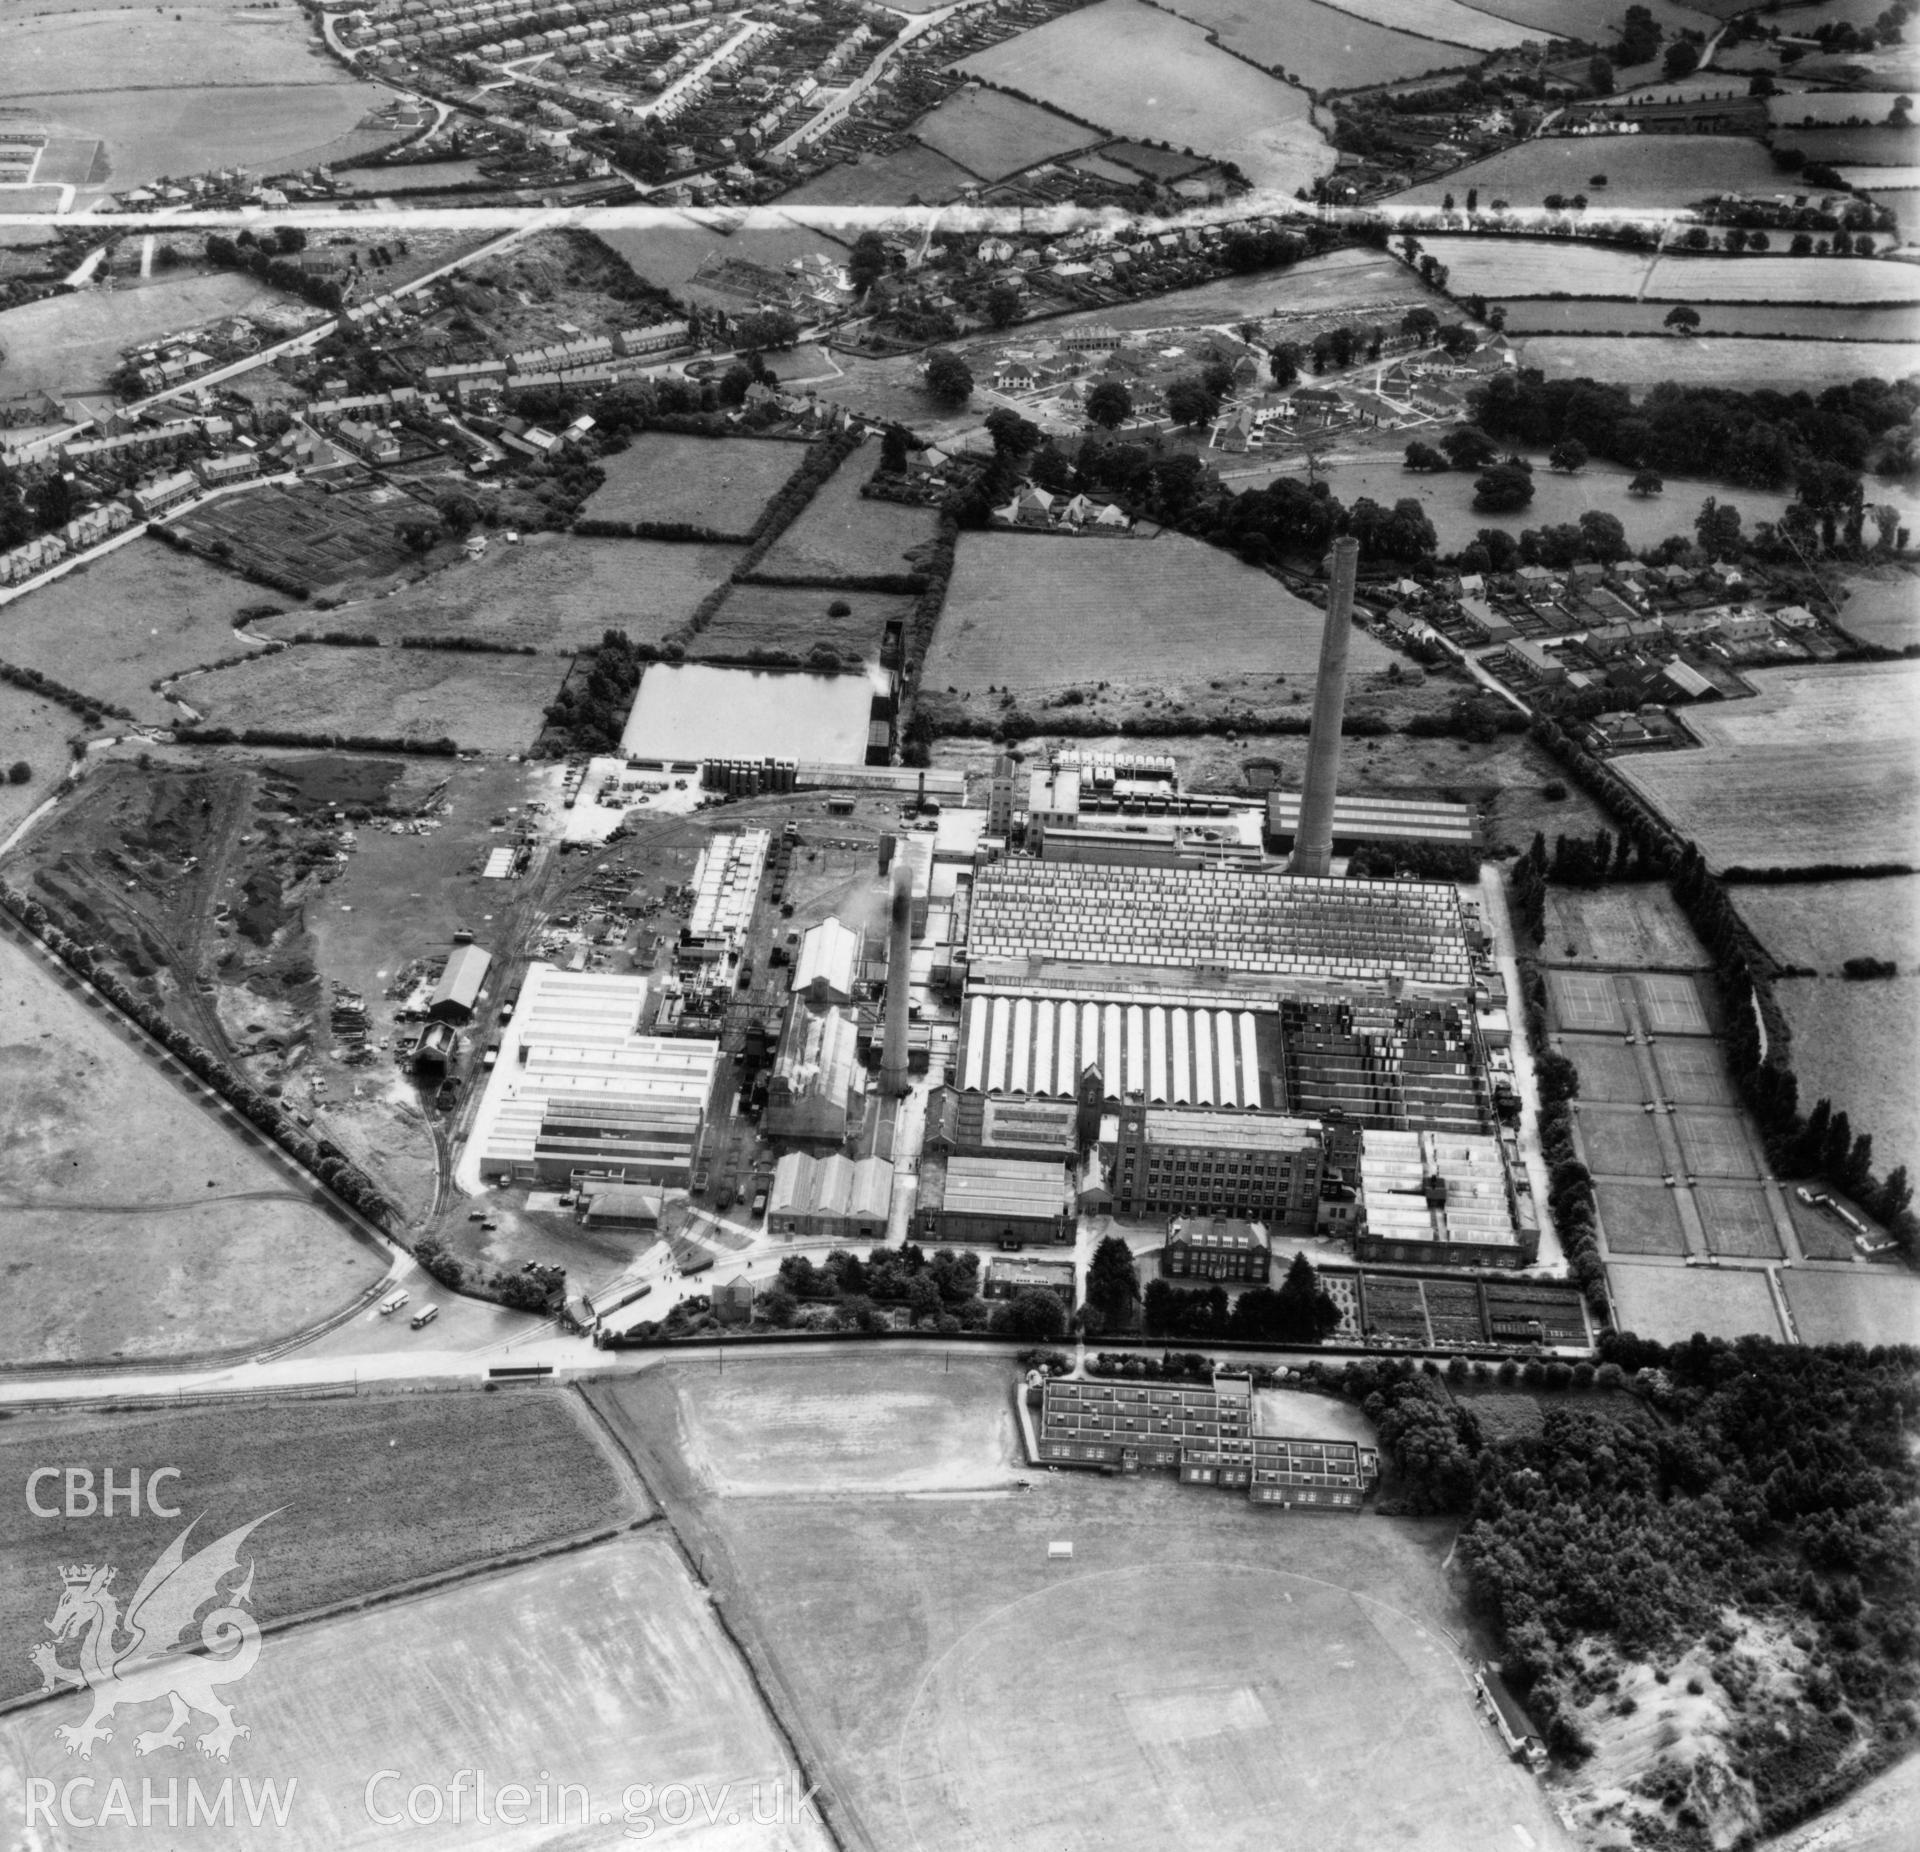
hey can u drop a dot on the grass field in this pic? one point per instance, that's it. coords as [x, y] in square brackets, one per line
[613, 1732]
[37, 732]
[1769, 790]
[367, 1492]
[1821, 1236]
[1669, 1304]
[1742, 366]
[1853, 1044]
[708, 482]
[554, 591]
[908, 176]
[68, 344]
[1785, 325]
[1640, 1218]
[1138, 71]
[1824, 923]
[138, 1225]
[1883, 606]
[994, 135]
[1878, 146]
[141, 612]
[486, 703]
[1575, 19]
[1650, 170]
[1254, 1643]
[1864, 1305]
[1327, 49]
[1501, 268]
[1609, 1070]
[1445, 20]
[789, 617]
[1738, 1222]
[1038, 613]
[1808, 108]
[1619, 1141]
[843, 535]
[1637, 926]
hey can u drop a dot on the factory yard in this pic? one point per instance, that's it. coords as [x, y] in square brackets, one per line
[1768, 789]
[1137, 71]
[140, 1225]
[480, 702]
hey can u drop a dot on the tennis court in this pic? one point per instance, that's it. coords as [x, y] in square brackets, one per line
[1609, 1070]
[1640, 1218]
[1673, 1005]
[1585, 1000]
[1693, 1074]
[1715, 1144]
[1738, 1221]
[1619, 1141]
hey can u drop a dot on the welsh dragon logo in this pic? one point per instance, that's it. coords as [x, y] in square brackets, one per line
[161, 1647]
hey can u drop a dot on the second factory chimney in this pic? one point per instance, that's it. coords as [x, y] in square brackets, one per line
[893, 1046]
[1313, 838]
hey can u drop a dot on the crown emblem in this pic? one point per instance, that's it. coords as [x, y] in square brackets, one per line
[78, 1575]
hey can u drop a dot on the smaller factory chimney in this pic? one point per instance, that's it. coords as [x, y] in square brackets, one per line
[893, 1047]
[1313, 840]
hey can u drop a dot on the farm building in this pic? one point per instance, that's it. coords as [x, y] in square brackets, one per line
[830, 1198]
[1429, 1197]
[1358, 821]
[458, 990]
[1178, 1160]
[995, 1199]
[602, 1203]
[1205, 1247]
[1007, 1279]
[1047, 1131]
[579, 1092]
[828, 963]
[818, 1085]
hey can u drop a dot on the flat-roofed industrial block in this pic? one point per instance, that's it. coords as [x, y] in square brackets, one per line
[1172, 1052]
[1358, 821]
[579, 1090]
[977, 1124]
[828, 963]
[969, 1198]
[1428, 1196]
[1220, 919]
[1399, 1064]
[458, 990]
[831, 1198]
[726, 884]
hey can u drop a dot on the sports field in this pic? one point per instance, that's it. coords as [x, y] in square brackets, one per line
[112, 628]
[1324, 47]
[1640, 1218]
[1609, 1070]
[1738, 1221]
[1139, 71]
[1585, 1000]
[553, 591]
[1862, 1305]
[614, 1732]
[1715, 1144]
[1768, 790]
[1638, 926]
[486, 703]
[1669, 1304]
[1036, 612]
[1647, 170]
[139, 1225]
[1743, 366]
[841, 534]
[1619, 1141]
[1672, 1003]
[1693, 1073]
[1196, 1669]
[994, 135]
[721, 484]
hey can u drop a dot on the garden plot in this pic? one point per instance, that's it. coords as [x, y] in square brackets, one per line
[1726, 361]
[1037, 612]
[485, 703]
[1673, 1004]
[1769, 790]
[1857, 1305]
[1693, 1074]
[1585, 1000]
[1141, 72]
[1715, 1143]
[1639, 926]
[1619, 1141]
[1610, 1072]
[994, 135]
[1738, 1222]
[717, 485]
[551, 592]
[1326, 48]
[844, 536]
[1669, 1304]
[1640, 170]
[1640, 1218]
